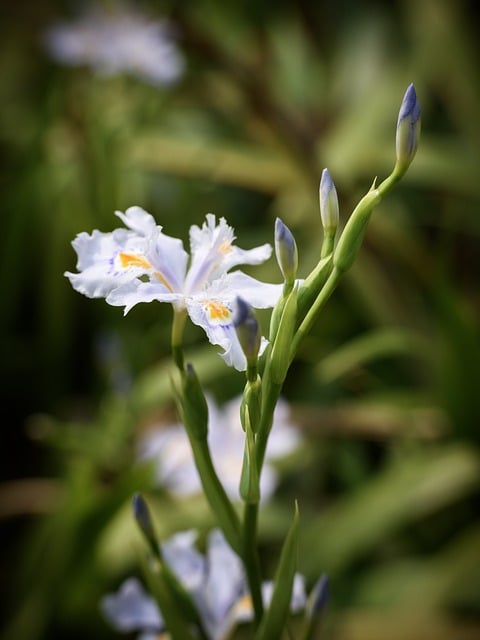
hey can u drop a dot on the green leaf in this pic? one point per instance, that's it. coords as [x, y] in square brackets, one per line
[173, 616]
[273, 623]
[410, 488]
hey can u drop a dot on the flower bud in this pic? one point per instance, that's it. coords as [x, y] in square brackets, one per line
[193, 406]
[286, 251]
[328, 203]
[251, 402]
[249, 479]
[142, 515]
[316, 605]
[248, 331]
[408, 130]
[319, 596]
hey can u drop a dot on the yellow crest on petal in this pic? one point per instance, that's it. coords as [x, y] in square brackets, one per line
[133, 260]
[217, 311]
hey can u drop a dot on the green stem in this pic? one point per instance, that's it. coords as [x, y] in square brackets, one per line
[252, 371]
[321, 299]
[270, 395]
[388, 184]
[251, 559]
[178, 325]
[215, 494]
[327, 245]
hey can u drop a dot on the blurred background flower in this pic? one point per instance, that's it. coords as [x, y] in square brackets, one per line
[169, 449]
[385, 388]
[117, 39]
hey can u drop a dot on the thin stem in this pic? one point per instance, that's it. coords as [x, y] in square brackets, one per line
[178, 325]
[327, 245]
[252, 371]
[252, 560]
[215, 494]
[389, 183]
[321, 299]
[270, 395]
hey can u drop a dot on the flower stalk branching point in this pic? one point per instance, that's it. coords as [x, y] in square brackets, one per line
[352, 236]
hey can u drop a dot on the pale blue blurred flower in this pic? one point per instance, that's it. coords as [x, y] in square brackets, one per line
[118, 40]
[216, 582]
[131, 608]
[170, 449]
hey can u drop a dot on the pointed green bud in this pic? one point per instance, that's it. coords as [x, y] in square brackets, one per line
[328, 202]
[143, 518]
[249, 479]
[329, 212]
[408, 130]
[182, 598]
[193, 404]
[286, 251]
[281, 350]
[248, 331]
[252, 400]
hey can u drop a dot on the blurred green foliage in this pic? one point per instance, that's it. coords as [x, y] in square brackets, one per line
[385, 388]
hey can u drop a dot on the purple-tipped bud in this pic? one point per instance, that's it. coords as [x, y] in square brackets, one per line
[319, 596]
[142, 515]
[286, 251]
[248, 330]
[328, 203]
[408, 129]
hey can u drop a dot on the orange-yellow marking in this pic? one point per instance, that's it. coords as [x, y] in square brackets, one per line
[217, 310]
[225, 247]
[244, 605]
[132, 260]
[163, 280]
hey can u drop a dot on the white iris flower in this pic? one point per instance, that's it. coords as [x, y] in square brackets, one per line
[142, 264]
